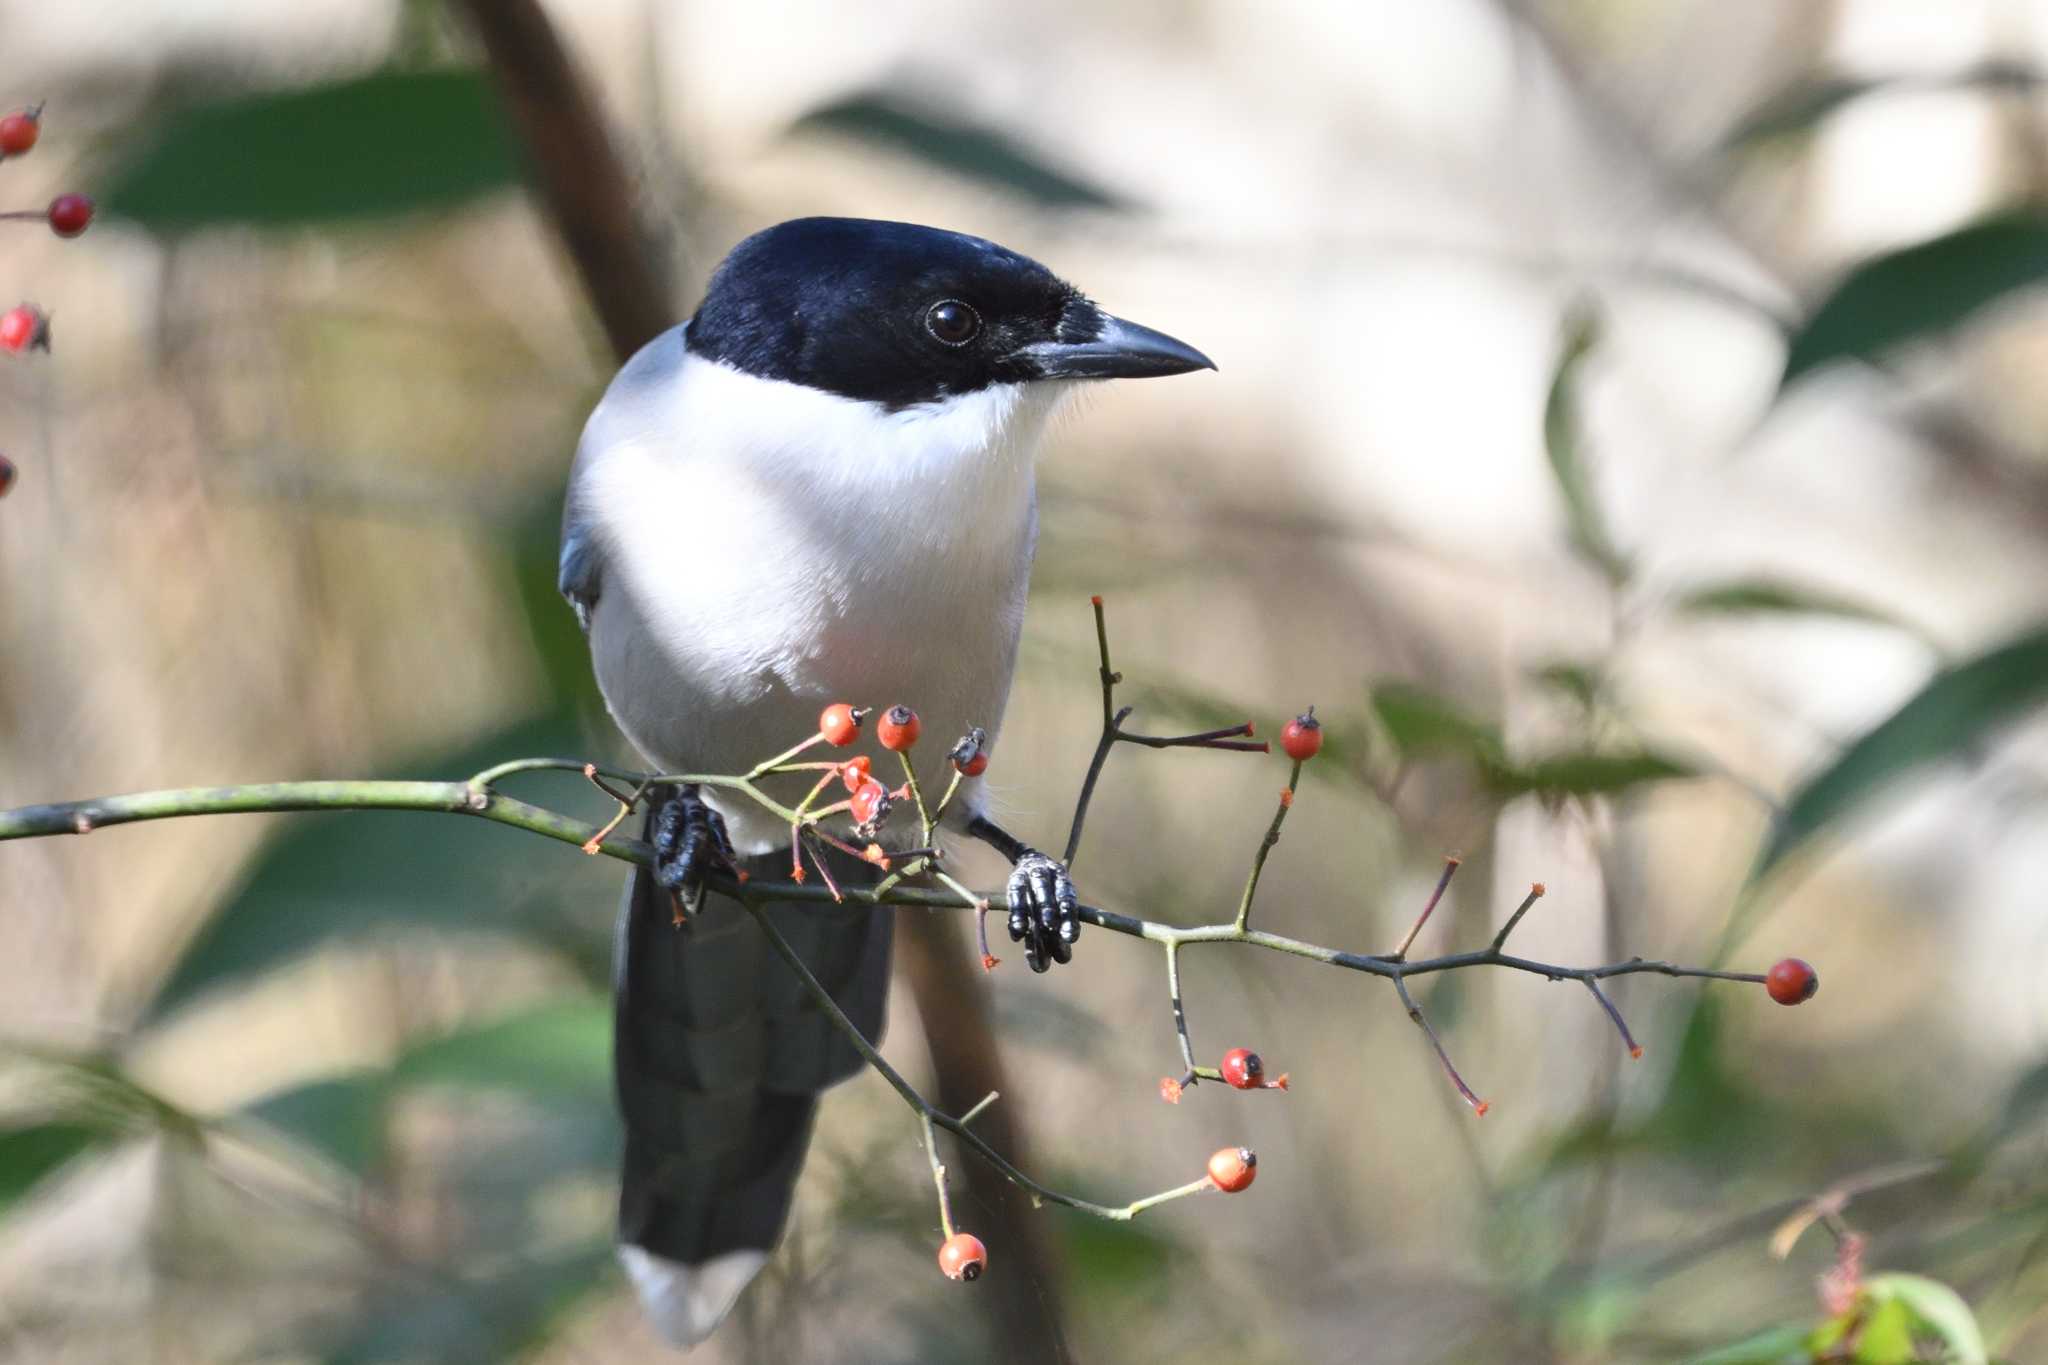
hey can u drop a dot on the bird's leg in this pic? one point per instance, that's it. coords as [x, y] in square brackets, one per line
[689, 842]
[1042, 899]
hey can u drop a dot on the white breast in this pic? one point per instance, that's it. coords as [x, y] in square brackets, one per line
[767, 549]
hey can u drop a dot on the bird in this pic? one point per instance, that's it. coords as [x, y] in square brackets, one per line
[819, 487]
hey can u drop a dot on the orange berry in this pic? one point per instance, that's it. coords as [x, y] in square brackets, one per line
[1242, 1068]
[854, 771]
[1233, 1169]
[963, 1257]
[1791, 982]
[898, 729]
[1302, 736]
[839, 723]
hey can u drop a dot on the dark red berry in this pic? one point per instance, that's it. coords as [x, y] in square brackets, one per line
[24, 328]
[1242, 1068]
[7, 475]
[839, 723]
[1233, 1169]
[898, 728]
[18, 132]
[1791, 982]
[70, 214]
[963, 1257]
[1303, 736]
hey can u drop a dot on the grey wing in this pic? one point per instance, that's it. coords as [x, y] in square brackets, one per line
[633, 409]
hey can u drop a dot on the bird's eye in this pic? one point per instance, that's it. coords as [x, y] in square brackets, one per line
[952, 322]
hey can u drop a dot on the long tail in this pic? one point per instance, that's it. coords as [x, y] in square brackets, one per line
[719, 1059]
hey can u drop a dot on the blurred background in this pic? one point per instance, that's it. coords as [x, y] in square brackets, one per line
[1625, 408]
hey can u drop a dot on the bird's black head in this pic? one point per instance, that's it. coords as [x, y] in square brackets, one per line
[898, 314]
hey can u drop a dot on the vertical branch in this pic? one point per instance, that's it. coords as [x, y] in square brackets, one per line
[575, 170]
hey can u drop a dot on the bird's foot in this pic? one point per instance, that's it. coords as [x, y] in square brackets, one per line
[1042, 905]
[690, 842]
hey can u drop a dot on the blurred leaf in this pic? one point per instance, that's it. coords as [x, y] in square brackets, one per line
[1937, 1308]
[33, 1152]
[559, 1052]
[341, 1117]
[478, 1322]
[982, 154]
[1590, 773]
[1795, 111]
[1955, 712]
[1885, 1335]
[330, 877]
[564, 1048]
[1112, 1259]
[1927, 288]
[393, 142]
[1564, 441]
[1580, 682]
[558, 642]
[1760, 596]
[1773, 1346]
[1423, 724]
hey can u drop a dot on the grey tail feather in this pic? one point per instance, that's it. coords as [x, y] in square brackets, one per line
[719, 1058]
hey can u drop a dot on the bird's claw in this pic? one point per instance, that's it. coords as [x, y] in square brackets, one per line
[689, 843]
[1042, 910]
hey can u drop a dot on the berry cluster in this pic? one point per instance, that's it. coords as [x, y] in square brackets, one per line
[26, 327]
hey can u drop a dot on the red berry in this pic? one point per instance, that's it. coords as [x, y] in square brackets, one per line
[974, 767]
[1242, 1068]
[18, 132]
[870, 802]
[839, 723]
[70, 214]
[1791, 982]
[898, 729]
[1303, 736]
[854, 771]
[963, 1257]
[1233, 1169]
[24, 328]
[7, 475]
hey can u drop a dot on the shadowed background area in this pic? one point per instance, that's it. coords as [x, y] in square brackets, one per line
[1629, 435]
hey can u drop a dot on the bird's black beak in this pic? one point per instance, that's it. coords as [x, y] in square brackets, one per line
[1121, 350]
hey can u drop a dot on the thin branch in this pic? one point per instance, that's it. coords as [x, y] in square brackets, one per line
[1113, 733]
[1442, 883]
[1535, 894]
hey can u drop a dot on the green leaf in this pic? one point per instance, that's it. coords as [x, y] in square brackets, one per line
[1959, 709]
[1937, 1309]
[1797, 110]
[1773, 1346]
[559, 1053]
[963, 149]
[326, 878]
[480, 1321]
[558, 1048]
[32, 1153]
[1564, 441]
[1921, 290]
[1423, 724]
[1590, 773]
[1886, 1335]
[394, 142]
[1765, 596]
